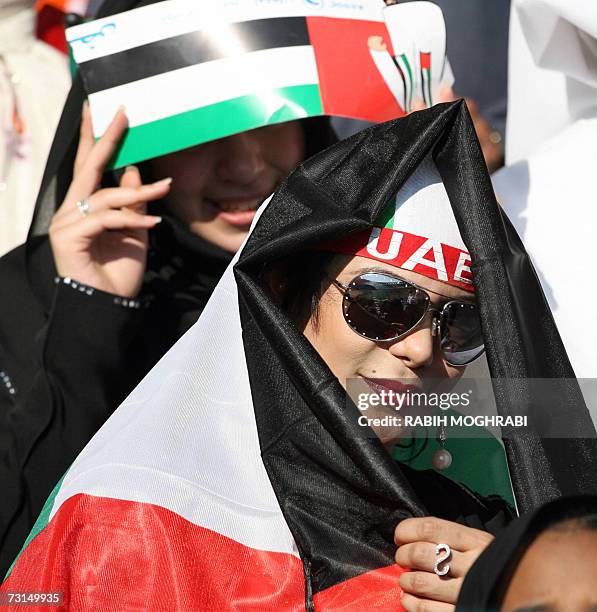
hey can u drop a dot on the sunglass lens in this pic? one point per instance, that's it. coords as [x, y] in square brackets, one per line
[381, 307]
[462, 339]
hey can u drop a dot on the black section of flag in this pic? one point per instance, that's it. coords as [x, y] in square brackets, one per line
[191, 49]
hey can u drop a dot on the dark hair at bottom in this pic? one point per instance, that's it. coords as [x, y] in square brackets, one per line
[566, 513]
[579, 517]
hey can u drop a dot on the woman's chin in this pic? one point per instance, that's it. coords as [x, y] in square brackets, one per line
[222, 234]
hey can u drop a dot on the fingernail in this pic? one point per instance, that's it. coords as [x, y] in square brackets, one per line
[130, 168]
[157, 219]
[165, 181]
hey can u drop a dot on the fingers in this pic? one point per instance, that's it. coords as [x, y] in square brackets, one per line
[133, 198]
[416, 539]
[86, 139]
[435, 531]
[446, 94]
[95, 224]
[120, 219]
[131, 178]
[415, 604]
[419, 105]
[472, 106]
[421, 556]
[91, 168]
[429, 586]
[104, 148]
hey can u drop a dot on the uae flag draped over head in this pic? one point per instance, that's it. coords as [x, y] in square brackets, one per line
[189, 72]
[236, 475]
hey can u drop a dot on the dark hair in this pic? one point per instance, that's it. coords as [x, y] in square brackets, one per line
[298, 282]
[564, 514]
[581, 516]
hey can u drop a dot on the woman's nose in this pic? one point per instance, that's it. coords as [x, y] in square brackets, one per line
[241, 158]
[417, 349]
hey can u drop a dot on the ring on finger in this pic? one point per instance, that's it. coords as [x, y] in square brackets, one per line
[445, 553]
[84, 207]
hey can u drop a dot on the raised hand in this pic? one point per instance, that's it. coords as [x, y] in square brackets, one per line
[99, 237]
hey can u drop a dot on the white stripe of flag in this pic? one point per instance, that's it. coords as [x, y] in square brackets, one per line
[199, 457]
[260, 71]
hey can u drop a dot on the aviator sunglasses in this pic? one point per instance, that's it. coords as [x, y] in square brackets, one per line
[382, 307]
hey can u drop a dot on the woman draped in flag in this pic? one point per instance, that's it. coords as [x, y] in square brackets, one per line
[242, 478]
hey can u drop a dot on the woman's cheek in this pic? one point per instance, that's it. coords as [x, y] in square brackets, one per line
[344, 352]
[351, 355]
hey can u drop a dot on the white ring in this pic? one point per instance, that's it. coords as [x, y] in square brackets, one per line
[442, 548]
[83, 206]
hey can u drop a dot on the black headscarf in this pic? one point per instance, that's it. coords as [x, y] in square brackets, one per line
[487, 581]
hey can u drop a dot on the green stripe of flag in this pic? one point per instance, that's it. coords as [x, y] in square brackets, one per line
[386, 218]
[216, 121]
[42, 521]
[487, 477]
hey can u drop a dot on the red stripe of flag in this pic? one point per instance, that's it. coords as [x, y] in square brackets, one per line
[110, 554]
[375, 590]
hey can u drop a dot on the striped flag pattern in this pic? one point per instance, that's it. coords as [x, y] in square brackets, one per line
[188, 507]
[263, 65]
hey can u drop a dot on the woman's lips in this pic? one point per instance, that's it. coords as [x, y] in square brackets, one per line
[390, 384]
[237, 212]
[239, 218]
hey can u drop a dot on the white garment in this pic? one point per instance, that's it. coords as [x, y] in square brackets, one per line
[549, 189]
[36, 77]
[552, 71]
